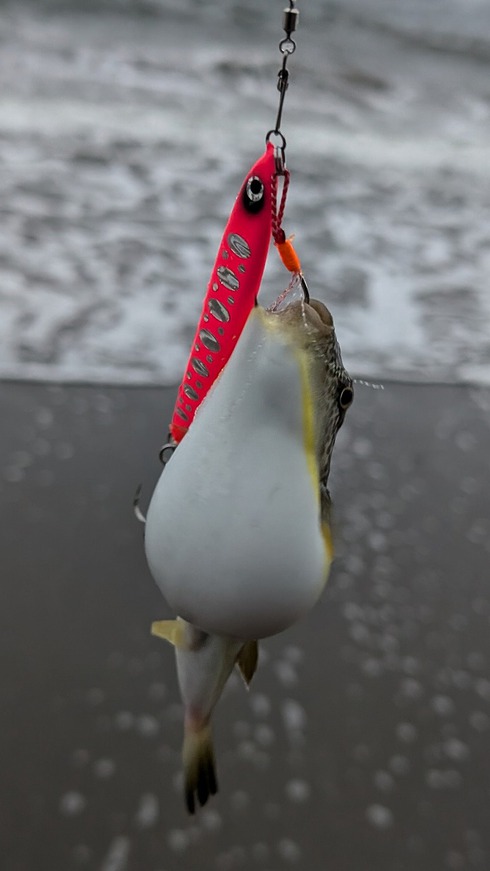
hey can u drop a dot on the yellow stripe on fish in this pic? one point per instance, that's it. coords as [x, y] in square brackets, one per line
[310, 425]
[328, 541]
[309, 434]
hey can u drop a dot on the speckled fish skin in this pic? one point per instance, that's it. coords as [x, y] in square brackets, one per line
[331, 385]
[236, 529]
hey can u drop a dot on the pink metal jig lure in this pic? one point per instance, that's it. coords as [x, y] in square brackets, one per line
[232, 290]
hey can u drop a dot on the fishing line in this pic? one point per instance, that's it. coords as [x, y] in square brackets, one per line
[285, 248]
[287, 47]
[370, 384]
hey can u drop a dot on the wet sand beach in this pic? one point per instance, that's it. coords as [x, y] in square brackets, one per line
[363, 743]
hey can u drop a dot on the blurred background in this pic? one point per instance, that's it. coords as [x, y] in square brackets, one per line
[126, 128]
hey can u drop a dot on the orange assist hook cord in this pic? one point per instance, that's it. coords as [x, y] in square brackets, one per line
[237, 274]
[284, 246]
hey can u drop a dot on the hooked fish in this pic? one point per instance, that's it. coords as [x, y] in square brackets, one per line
[238, 528]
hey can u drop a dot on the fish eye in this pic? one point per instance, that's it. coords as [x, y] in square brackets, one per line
[253, 194]
[346, 397]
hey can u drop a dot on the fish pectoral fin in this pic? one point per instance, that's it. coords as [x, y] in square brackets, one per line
[247, 661]
[172, 631]
[199, 767]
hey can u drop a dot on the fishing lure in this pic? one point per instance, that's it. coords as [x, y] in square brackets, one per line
[232, 290]
[237, 532]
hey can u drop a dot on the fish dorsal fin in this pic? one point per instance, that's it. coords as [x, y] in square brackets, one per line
[247, 661]
[172, 631]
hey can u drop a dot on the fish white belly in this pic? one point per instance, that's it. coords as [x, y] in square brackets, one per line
[233, 535]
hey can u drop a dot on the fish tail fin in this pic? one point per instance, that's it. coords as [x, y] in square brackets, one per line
[199, 766]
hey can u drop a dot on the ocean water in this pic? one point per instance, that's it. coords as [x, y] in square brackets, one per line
[126, 129]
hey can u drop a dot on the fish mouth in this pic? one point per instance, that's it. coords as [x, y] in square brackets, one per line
[295, 305]
[322, 311]
[308, 321]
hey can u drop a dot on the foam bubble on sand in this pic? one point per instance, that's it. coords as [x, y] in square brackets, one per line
[482, 687]
[178, 840]
[117, 855]
[379, 816]
[372, 667]
[411, 689]
[286, 673]
[264, 735]
[298, 790]
[384, 781]
[294, 716]
[147, 725]
[95, 696]
[479, 721]
[13, 474]
[406, 732]
[157, 691]
[399, 765]
[104, 768]
[72, 803]
[359, 633]
[443, 779]
[289, 850]
[148, 811]
[211, 820]
[442, 705]
[456, 749]
[260, 704]
[124, 720]
[248, 751]
[293, 654]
